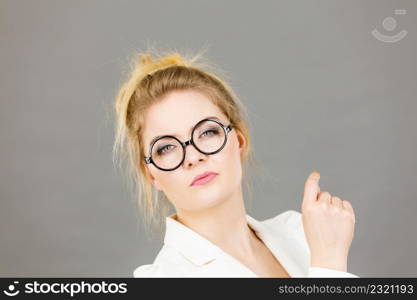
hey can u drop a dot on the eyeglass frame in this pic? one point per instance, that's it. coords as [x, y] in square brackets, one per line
[148, 159]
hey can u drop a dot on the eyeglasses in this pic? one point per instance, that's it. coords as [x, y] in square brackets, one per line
[167, 153]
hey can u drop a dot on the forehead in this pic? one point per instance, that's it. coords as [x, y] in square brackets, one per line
[177, 112]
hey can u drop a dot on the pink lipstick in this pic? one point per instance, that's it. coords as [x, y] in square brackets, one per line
[204, 178]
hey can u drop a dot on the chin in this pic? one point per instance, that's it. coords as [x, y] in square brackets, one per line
[206, 198]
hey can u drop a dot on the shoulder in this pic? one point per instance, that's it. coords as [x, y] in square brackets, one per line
[168, 263]
[289, 223]
[148, 270]
[160, 269]
[291, 218]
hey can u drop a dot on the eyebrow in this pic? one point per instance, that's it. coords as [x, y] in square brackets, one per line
[159, 136]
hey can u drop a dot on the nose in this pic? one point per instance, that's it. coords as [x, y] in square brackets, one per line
[192, 155]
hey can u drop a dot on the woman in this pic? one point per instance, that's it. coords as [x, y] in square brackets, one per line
[172, 102]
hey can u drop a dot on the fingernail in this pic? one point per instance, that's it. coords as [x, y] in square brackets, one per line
[317, 172]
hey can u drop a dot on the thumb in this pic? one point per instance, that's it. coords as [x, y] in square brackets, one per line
[312, 188]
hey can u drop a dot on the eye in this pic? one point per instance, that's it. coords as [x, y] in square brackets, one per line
[164, 149]
[210, 132]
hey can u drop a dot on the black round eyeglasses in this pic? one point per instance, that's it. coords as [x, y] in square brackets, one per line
[167, 153]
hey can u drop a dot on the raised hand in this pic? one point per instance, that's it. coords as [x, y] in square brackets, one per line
[328, 224]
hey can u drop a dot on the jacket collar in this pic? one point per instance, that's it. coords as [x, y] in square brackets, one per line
[200, 251]
[193, 246]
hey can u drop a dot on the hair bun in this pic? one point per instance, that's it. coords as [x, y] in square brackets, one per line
[150, 66]
[145, 59]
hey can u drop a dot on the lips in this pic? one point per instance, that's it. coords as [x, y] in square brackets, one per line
[202, 178]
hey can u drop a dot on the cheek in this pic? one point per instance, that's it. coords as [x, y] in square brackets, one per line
[232, 149]
[163, 178]
[229, 160]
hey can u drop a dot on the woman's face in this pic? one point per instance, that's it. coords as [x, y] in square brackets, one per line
[175, 115]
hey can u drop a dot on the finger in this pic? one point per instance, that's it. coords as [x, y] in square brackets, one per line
[336, 201]
[324, 197]
[311, 187]
[346, 205]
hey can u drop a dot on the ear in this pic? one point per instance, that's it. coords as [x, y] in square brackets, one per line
[242, 141]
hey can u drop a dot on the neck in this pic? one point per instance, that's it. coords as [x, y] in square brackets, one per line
[225, 225]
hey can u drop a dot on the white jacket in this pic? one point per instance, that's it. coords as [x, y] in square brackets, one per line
[187, 254]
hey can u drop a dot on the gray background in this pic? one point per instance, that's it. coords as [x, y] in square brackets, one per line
[321, 91]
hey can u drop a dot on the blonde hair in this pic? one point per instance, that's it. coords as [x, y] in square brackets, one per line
[152, 77]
